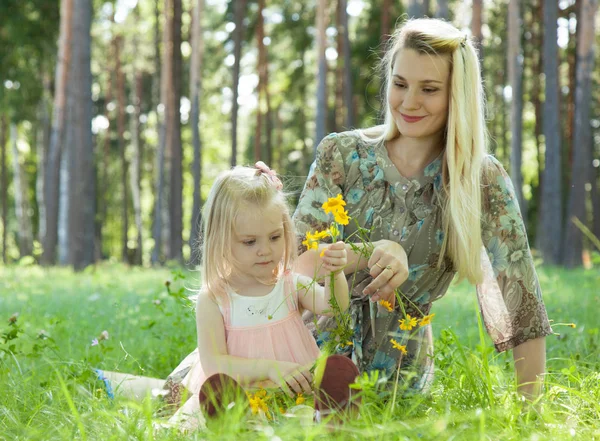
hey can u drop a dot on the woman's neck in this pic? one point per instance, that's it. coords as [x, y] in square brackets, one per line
[412, 155]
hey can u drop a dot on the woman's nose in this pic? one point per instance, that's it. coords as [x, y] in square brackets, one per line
[411, 100]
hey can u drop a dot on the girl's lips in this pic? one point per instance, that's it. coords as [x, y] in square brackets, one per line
[411, 119]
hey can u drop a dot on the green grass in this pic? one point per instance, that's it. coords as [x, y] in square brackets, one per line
[47, 391]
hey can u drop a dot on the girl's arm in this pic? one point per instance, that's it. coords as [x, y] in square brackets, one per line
[212, 349]
[311, 295]
[530, 366]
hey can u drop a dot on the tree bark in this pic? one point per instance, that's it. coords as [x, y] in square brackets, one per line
[136, 163]
[321, 74]
[515, 73]
[551, 211]
[52, 174]
[195, 96]
[582, 135]
[42, 142]
[262, 69]
[442, 10]
[3, 185]
[22, 206]
[385, 23]
[476, 23]
[239, 10]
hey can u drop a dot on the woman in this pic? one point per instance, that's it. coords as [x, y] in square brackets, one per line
[433, 200]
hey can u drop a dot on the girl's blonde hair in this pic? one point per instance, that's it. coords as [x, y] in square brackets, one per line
[234, 192]
[466, 136]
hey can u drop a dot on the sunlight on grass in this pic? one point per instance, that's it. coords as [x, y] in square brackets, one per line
[49, 391]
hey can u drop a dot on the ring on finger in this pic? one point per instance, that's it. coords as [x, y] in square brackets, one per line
[381, 266]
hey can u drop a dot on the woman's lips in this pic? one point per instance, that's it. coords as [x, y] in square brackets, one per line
[411, 119]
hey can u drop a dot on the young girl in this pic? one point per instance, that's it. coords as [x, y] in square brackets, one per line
[250, 331]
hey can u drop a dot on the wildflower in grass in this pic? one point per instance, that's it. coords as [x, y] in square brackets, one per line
[387, 305]
[258, 402]
[426, 320]
[43, 335]
[334, 204]
[396, 345]
[341, 217]
[572, 325]
[103, 335]
[300, 399]
[408, 323]
[13, 318]
[94, 342]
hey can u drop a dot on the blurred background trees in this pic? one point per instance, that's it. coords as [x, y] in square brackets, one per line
[115, 116]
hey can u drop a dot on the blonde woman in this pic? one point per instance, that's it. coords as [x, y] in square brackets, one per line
[436, 205]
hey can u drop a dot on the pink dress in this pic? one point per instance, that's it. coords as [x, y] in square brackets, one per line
[283, 337]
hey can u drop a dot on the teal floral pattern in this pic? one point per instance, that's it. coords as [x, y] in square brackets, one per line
[409, 211]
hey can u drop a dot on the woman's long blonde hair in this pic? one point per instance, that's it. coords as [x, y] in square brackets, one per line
[233, 192]
[466, 136]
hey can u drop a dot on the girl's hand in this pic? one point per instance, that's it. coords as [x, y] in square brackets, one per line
[334, 257]
[292, 378]
[388, 265]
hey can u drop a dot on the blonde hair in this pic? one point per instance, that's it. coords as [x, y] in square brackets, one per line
[233, 191]
[465, 140]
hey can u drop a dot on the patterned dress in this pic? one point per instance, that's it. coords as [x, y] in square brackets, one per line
[408, 211]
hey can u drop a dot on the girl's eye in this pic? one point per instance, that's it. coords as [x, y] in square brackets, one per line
[249, 242]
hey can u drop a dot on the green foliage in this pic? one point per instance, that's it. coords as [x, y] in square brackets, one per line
[50, 392]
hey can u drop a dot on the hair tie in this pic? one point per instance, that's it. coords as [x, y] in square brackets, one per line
[464, 41]
[271, 175]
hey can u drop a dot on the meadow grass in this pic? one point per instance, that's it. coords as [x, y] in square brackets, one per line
[49, 392]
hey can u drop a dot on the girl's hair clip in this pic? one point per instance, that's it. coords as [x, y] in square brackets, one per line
[463, 43]
[270, 174]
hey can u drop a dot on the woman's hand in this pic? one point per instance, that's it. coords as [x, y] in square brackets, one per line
[292, 378]
[335, 257]
[388, 265]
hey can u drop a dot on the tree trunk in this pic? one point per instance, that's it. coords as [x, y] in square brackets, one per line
[347, 73]
[476, 22]
[442, 10]
[582, 135]
[239, 10]
[42, 142]
[385, 23]
[416, 8]
[338, 71]
[66, 189]
[195, 96]
[3, 185]
[121, 123]
[22, 205]
[262, 69]
[537, 20]
[174, 142]
[551, 211]
[515, 73]
[135, 167]
[52, 174]
[82, 176]
[321, 74]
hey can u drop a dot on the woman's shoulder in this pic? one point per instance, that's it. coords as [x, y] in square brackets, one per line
[491, 169]
[349, 141]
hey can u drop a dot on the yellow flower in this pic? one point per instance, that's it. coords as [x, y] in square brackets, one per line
[387, 305]
[398, 346]
[341, 217]
[334, 204]
[572, 325]
[320, 235]
[408, 323]
[322, 252]
[426, 320]
[300, 399]
[258, 402]
[333, 231]
[310, 242]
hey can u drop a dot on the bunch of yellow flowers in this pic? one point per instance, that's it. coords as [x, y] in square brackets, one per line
[334, 206]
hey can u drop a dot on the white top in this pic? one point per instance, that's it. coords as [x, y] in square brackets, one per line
[255, 311]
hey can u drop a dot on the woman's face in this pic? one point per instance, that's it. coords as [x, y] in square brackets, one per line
[419, 92]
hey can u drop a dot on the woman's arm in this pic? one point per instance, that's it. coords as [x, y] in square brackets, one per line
[212, 349]
[530, 366]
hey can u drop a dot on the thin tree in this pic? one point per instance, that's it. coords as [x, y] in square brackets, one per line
[57, 137]
[239, 9]
[3, 184]
[581, 175]
[22, 204]
[262, 89]
[385, 23]
[195, 97]
[476, 22]
[442, 10]
[416, 8]
[515, 74]
[321, 73]
[82, 206]
[551, 212]
[174, 140]
[42, 141]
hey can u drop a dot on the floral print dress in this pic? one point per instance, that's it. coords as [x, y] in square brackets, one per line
[408, 211]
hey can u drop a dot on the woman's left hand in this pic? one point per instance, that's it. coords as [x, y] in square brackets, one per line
[388, 265]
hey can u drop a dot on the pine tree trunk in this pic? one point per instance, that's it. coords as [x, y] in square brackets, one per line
[239, 10]
[321, 74]
[136, 164]
[515, 73]
[385, 23]
[442, 10]
[42, 142]
[582, 135]
[52, 174]
[22, 205]
[537, 19]
[416, 8]
[476, 23]
[347, 71]
[195, 96]
[261, 68]
[551, 211]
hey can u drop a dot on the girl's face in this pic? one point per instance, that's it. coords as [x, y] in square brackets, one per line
[258, 241]
[418, 93]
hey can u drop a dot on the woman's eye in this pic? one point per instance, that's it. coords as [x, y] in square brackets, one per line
[429, 90]
[274, 238]
[400, 85]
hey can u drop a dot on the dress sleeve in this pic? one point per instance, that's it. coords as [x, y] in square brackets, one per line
[326, 179]
[509, 297]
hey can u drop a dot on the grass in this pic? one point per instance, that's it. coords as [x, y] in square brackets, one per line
[48, 392]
